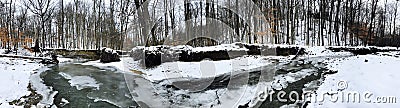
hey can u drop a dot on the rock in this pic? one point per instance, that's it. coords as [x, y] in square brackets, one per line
[330, 72]
[137, 53]
[109, 55]
[53, 60]
[48, 61]
[156, 55]
[366, 60]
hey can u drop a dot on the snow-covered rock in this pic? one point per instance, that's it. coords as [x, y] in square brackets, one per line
[109, 55]
[155, 55]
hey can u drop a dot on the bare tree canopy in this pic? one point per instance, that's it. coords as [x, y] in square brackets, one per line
[122, 24]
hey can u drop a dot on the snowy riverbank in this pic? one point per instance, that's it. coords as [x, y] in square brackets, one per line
[20, 81]
[15, 78]
[374, 73]
[373, 79]
[16, 75]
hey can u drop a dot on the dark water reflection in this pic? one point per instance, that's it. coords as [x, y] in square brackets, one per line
[112, 90]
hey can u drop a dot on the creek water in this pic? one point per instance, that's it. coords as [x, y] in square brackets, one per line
[85, 86]
[88, 87]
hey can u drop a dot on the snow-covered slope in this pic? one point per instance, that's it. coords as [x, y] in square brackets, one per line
[373, 77]
[15, 75]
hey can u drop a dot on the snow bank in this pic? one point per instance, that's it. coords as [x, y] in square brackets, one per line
[16, 74]
[203, 69]
[115, 65]
[373, 74]
[321, 51]
[64, 60]
[24, 52]
[109, 50]
[14, 77]
[47, 92]
[2, 51]
[222, 47]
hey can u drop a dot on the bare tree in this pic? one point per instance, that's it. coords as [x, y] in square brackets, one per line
[43, 9]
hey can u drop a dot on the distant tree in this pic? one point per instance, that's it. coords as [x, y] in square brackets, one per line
[43, 9]
[372, 18]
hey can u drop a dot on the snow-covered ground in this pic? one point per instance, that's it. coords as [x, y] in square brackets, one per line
[18, 74]
[372, 77]
[15, 78]
[203, 69]
[118, 65]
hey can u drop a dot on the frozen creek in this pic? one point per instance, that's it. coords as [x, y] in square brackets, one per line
[82, 86]
[89, 86]
[164, 87]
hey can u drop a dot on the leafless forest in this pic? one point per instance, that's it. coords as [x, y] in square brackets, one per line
[121, 24]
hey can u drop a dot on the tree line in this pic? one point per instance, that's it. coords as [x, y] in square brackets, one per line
[121, 24]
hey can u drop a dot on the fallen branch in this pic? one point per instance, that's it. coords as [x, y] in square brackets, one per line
[25, 57]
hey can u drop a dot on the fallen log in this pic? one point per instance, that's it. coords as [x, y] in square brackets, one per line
[25, 57]
[44, 60]
[362, 50]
